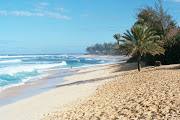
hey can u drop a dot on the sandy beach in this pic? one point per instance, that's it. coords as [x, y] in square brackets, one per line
[113, 91]
[34, 108]
[90, 60]
[152, 93]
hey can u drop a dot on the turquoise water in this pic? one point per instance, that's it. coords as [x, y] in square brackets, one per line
[19, 69]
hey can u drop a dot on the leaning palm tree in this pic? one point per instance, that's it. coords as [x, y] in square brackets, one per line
[117, 37]
[139, 41]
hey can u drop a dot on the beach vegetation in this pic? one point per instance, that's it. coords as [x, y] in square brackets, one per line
[117, 37]
[139, 41]
[156, 17]
[102, 49]
[166, 27]
[171, 54]
[162, 29]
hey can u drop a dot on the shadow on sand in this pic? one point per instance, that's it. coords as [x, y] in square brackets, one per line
[119, 67]
[88, 81]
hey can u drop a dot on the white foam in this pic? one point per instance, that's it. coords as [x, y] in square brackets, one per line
[88, 59]
[11, 61]
[102, 61]
[2, 80]
[24, 81]
[21, 56]
[11, 85]
[29, 68]
[63, 63]
[11, 56]
[75, 60]
[35, 77]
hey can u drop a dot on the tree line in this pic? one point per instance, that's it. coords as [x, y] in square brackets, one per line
[102, 49]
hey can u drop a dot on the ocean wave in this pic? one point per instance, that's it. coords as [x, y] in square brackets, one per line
[88, 59]
[10, 85]
[74, 60]
[63, 63]
[2, 81]
[7, 79]
[20, 78]
[11, 56]
[102, 61]
[29, 68]
[11, 61]
[23, 56]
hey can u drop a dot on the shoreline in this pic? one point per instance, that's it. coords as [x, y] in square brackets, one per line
[32, 88]
[20, 92]
[41, 80]
[94, 88]
[75, 87]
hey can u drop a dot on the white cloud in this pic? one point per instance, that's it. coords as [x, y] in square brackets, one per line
[61, 9]
[44, 3]
[25, 13]
[37, 9]
[3, 12]
[40, 14]
[40, 10]
[21, 13]
[102, 17]
[173, 0]
[56, 15]
[85, 15]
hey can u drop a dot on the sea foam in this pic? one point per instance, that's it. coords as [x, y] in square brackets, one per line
[10, 61]
[28, 68]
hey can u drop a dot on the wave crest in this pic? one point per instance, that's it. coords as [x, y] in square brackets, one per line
[11, 61]
[29, 68]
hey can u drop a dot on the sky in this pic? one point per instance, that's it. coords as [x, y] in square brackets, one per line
[67, 26]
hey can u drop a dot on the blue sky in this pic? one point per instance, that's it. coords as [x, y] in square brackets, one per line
[66, 26]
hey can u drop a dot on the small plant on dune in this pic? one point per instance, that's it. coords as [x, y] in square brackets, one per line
[141, 40]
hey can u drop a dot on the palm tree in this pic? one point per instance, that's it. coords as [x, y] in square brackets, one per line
[117, 37]
[139, 41]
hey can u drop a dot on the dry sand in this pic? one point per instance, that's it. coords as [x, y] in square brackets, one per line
[153, 93]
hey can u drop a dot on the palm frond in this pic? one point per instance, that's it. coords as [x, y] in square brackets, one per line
[141, 39]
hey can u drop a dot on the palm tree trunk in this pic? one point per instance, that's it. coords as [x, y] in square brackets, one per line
[139, 61]
[118, 42]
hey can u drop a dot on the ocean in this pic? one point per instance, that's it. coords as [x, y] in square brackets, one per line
[17, 70]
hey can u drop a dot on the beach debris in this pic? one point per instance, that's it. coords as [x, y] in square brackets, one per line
[158, 63]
